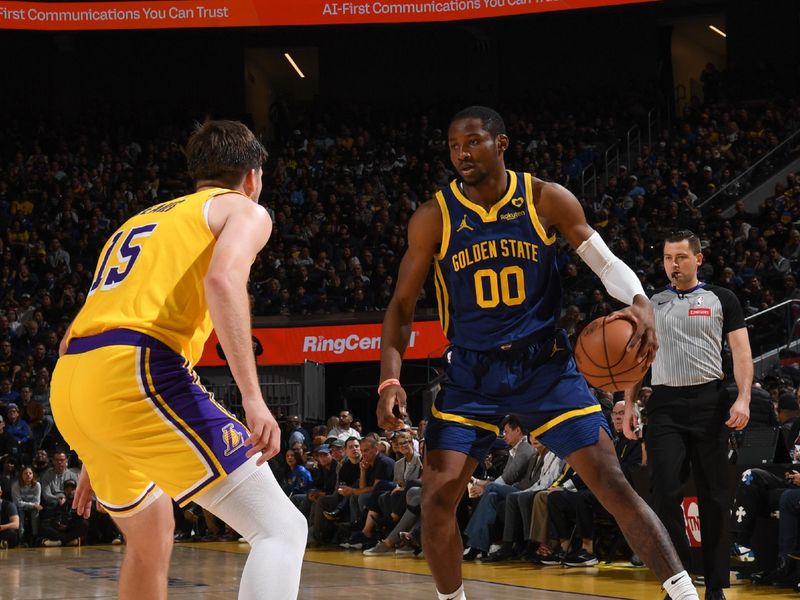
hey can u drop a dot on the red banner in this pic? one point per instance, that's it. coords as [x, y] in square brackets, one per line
[163, 14]
[329, 344]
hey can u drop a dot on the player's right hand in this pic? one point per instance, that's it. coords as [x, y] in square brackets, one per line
[644, 340]
[265, 434]
[82, 502]
[392, 396]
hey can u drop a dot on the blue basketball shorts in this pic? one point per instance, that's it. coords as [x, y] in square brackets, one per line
[537, 382]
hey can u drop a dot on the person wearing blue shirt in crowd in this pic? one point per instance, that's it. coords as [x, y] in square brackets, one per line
[7, 394]
[18, 427]
[299, 479]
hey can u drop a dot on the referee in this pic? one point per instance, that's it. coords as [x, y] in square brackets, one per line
[688, 417]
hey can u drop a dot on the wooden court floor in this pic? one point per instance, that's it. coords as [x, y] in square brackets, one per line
[211, 571]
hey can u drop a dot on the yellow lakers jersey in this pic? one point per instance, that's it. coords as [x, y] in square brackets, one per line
[149, 276]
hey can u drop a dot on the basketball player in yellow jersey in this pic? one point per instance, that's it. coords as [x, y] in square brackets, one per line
[125, 396]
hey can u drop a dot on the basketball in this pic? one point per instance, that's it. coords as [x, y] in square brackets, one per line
[601, 357]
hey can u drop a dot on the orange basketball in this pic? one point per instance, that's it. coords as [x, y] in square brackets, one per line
[601, 357]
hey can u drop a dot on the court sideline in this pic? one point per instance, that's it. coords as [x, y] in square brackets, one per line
[211, 571]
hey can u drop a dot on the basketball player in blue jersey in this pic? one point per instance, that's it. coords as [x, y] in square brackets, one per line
[490, 235]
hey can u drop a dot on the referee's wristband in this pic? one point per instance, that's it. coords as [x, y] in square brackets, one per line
[386, 383]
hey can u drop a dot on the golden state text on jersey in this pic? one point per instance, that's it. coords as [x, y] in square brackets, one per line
[496, 277]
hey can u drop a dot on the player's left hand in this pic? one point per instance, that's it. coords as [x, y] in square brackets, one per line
[82, 502]
[644, 339]
[739, 414]
[265, 434]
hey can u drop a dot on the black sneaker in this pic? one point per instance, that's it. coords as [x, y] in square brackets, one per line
[471, 554]
[503, 554]
[556, 558]
[580, 559]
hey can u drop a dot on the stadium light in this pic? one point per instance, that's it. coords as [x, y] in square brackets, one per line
[294, 64]
[712, 28]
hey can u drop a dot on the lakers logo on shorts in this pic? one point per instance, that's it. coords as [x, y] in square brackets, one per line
[232, 438]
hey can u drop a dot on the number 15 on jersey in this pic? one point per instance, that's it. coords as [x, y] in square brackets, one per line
[111, 273]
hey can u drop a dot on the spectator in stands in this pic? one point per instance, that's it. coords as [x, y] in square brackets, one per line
[54, 479]
[295, 432]
[41, 463]
[331, 423]
[408, 468]
[26, 492]
[784, 572]
[406, 526]
[519, 505]
[376, 472]
[564, 506]
[8, 443]
[518, 470]
[19, 428]
[299, 478]
[336, 506]
[391, 504]
[7, 394]
[324, 480]
[66, 527]
[8, 474]
[757, 496]
[788, 413]
[337, 451]
[540, 537]
[343, 430]
[9, 522]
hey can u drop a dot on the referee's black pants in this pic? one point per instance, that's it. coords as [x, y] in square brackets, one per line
[686, 434]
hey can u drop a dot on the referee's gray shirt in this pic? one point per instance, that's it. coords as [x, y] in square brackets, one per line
[690, 326]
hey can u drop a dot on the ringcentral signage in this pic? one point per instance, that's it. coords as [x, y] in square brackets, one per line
[164, 14]
[330, 344]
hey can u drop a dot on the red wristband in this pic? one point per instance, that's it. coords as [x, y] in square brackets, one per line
[386, 383]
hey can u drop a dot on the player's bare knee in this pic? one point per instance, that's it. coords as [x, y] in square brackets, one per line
[431, 500]
[155, 548]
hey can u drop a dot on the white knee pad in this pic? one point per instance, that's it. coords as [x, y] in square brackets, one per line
[251, 501]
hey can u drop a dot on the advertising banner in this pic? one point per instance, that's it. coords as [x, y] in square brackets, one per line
[166, 14]
[329, 344]
[691, 518]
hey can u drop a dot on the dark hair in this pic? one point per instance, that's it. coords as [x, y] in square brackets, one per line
[352, 437]
[513, 422]
[299, 459]
[490, 118]
[223, 151]
[685, 234]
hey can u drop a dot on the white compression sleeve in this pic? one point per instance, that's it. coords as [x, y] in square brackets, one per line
[617, 277]
[251, 501]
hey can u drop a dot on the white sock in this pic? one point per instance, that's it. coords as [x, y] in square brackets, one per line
[457, 595]
[679, 587]
[251, 501]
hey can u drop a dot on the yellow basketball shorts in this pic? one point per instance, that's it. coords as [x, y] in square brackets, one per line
[141, 422]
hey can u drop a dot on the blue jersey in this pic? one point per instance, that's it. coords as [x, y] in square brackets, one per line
[496, 276]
